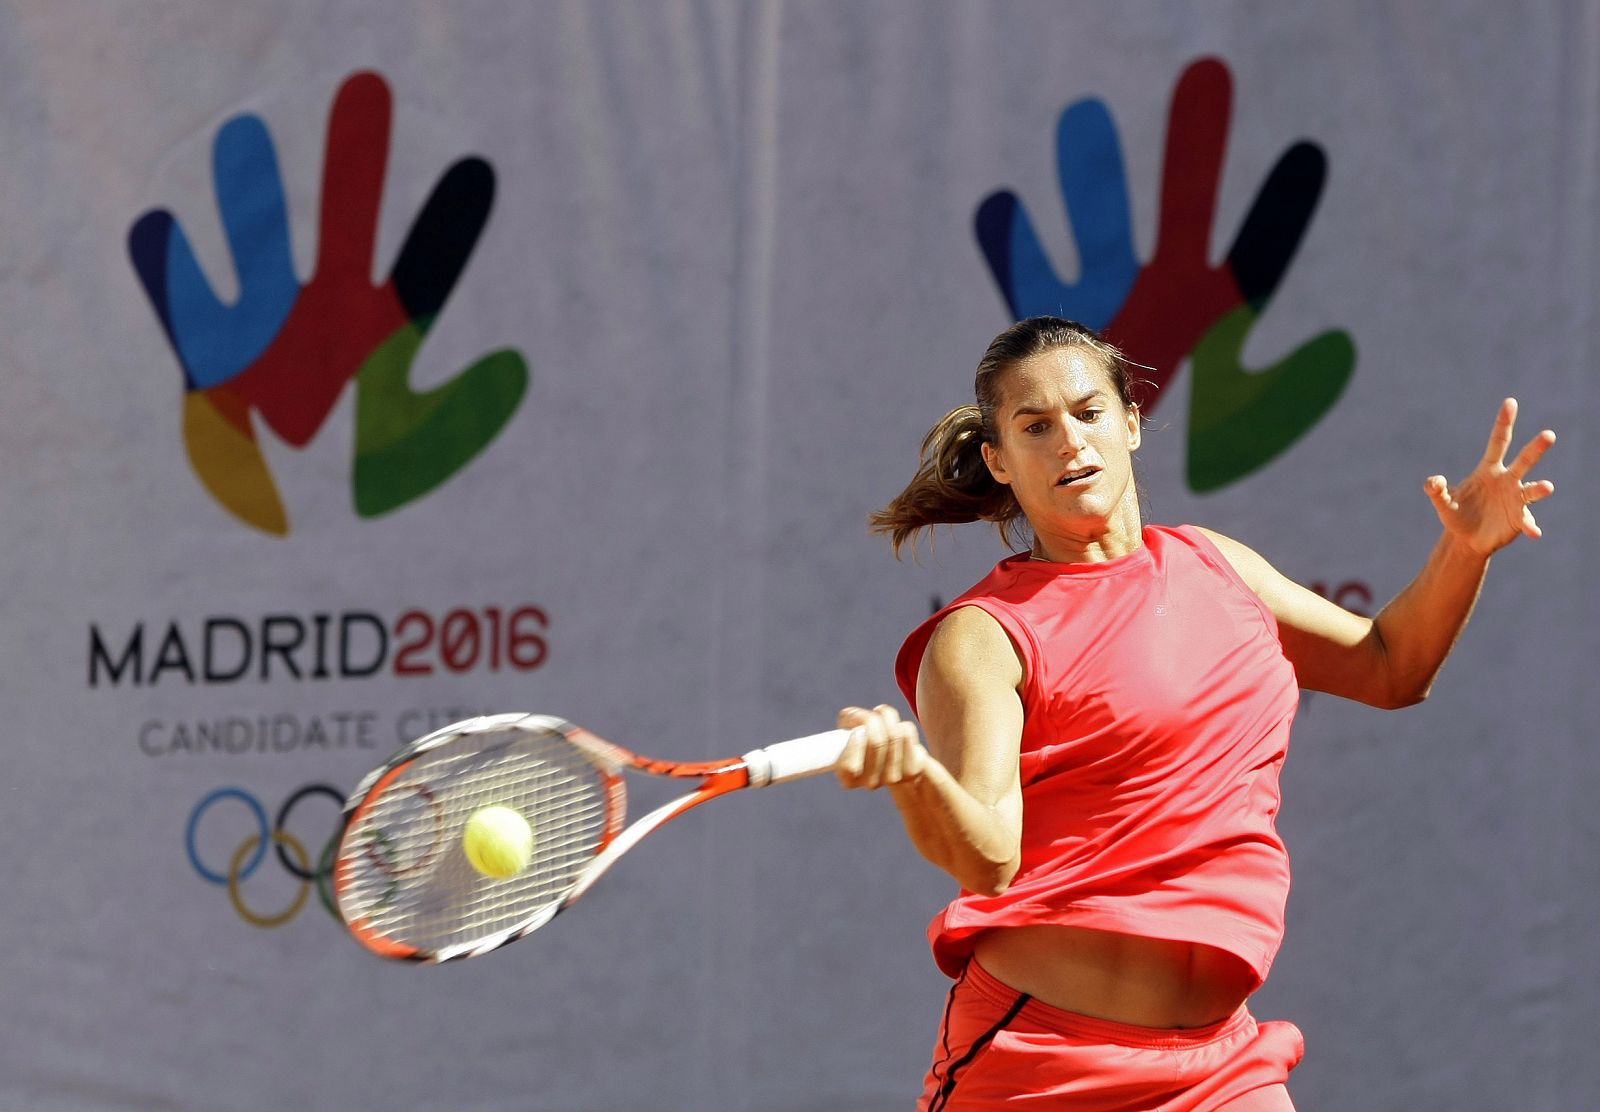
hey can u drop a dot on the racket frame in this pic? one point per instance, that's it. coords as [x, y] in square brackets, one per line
[773, 764]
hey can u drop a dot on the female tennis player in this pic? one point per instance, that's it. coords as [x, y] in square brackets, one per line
[1105, 717]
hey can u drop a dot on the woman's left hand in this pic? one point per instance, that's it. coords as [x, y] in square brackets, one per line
[1489, 508]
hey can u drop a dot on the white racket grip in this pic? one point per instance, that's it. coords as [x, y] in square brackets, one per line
[794, 760]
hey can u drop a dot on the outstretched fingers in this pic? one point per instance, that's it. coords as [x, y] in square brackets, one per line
[1530, 456]
[1492, 506]
[1500, 435]
[1437, 488]
[1530, 491]
[1534, 492]
[1537, 491]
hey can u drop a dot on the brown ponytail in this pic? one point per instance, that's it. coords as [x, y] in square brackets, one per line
[953, 485]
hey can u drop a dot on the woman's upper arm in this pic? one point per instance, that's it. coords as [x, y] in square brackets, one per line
[970, 705]
[1332, 649]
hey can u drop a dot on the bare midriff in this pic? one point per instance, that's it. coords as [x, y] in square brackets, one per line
[1149, 982]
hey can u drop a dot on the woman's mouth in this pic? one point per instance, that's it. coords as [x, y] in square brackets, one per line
[1081, 475]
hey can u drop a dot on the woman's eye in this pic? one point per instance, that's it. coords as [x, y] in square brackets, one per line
[1090, 416]
[1036, 428]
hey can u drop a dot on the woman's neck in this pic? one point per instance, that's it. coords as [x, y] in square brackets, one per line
[1092, 542]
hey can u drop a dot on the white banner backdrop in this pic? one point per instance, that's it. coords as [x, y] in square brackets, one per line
[694, 279]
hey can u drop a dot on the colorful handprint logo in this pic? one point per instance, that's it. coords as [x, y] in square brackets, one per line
[284, 351]
[1177, 304]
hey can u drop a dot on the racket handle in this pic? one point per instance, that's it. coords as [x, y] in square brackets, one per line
[794, 760]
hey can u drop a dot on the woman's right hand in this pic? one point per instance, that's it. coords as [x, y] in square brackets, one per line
[883, 749]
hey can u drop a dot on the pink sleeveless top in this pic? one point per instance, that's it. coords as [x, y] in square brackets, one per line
[1157, 703]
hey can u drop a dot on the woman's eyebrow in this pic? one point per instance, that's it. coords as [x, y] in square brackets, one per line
[1031, 408]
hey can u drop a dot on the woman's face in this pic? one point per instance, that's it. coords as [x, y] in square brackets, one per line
[1066, 441]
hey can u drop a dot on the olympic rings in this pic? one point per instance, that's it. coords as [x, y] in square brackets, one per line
[194, 821]
[291, 853]
[303, 872]
[285, 840]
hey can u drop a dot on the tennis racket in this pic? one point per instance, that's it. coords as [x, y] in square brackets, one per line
[402, 881]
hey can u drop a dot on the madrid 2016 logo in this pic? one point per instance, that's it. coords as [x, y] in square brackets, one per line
[284, 351]
[1177, 304]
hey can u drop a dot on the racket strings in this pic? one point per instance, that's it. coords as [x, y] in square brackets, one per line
[408, 877]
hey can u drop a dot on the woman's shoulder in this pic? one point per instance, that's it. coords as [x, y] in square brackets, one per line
[1183, 533]
[975, 626]
[1227, 558]
[1206, 542]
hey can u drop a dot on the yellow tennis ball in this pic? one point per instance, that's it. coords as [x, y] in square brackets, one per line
[498, 842]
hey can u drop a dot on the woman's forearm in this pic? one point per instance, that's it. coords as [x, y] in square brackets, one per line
[1419, 628]
[977, 844]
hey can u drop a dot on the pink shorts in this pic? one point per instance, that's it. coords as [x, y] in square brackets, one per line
[998, 1047]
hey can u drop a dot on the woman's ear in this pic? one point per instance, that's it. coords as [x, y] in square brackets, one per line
[1133, 428]
[997, 467]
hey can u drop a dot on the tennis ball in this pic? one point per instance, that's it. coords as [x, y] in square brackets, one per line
[498, 841]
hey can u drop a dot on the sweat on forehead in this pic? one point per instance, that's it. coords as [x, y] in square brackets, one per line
[1054, 341]
[1053, 378]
